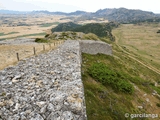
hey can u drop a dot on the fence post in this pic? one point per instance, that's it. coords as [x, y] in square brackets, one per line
[34, 49]
[43, 47]
[17, 56]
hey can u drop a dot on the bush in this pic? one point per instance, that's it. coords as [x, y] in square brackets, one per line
[158, 31]
[106, 76]
[158, 104]
[41, 40]
[47, 35]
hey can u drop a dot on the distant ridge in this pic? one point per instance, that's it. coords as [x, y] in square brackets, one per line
[122, 15]
[13, 12]
[60, 13]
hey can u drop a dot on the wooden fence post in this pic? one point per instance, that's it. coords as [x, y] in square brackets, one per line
[43, 47]
[17, 56]
[34, 49]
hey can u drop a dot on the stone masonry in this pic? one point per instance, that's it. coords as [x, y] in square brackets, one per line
[94, 47]
[45, 87]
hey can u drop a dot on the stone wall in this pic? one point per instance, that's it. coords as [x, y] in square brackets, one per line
[94, 47]
[48, 86]
[44, 87]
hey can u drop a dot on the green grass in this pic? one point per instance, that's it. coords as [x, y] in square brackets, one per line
[49, 24]
[142, 40]
[27, 35]
[108, 76]
[105, 99]
[90, 36]
[41, 40]
[2, 34]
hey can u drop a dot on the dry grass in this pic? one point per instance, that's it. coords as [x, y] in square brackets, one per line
[141, 40]
[8, 52]
[141, 43]
[35, 23]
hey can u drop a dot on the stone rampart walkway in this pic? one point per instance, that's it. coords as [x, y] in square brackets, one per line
[46, 87]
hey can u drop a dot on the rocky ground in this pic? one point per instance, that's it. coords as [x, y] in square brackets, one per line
[44, 87]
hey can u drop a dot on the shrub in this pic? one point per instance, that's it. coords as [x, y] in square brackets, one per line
[47, 35]
[158, 104]
[101, 73]
[41, 40]
[158, 31]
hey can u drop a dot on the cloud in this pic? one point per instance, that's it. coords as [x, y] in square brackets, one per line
[1, 6]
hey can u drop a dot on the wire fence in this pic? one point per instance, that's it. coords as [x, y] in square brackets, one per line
[45, 48]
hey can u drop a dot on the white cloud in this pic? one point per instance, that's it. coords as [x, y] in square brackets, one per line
[1, 6]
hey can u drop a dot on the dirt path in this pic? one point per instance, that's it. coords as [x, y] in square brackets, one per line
[150, 100]
[132, 57]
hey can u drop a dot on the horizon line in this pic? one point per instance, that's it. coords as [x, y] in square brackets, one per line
[76, 10]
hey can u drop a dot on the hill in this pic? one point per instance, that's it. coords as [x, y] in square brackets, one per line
[121, 15]
[99, 29]
[60, 13]
[65, 27]
[124, 15]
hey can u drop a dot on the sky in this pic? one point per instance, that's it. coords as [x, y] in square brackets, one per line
[74, 5]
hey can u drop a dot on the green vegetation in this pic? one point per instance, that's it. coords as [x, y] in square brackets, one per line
[27, 35]
[158, 31]
[64, 36]
[72, 36]
[90, 36]
[47, 35]
[99, 29]
[2, 34]
[49, 24]
[158, 104]
[41, 40]
[104, 100]
[65, 27]
[108, 85]
[96, 28]
[107, 76]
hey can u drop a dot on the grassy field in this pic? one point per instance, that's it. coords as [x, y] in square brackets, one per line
[142, 41]
[33, 24]
[106, 101]
[49, 24]
[27, 35]
[2, 34]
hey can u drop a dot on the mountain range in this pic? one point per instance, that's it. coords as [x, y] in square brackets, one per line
[115, 14]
